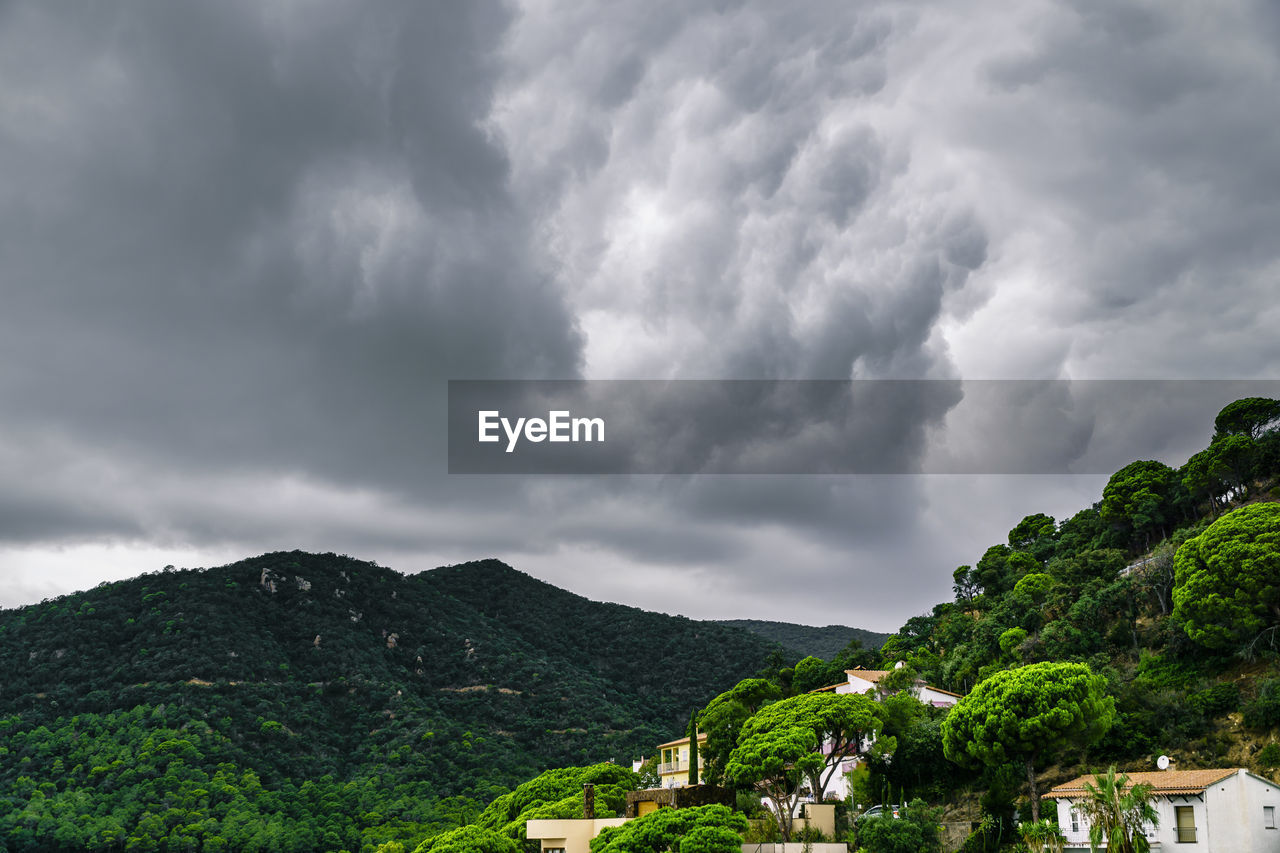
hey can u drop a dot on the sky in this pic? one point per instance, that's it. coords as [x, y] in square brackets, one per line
[245, 245]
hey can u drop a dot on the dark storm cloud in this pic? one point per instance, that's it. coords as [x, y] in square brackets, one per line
[256, 239]
[244, 245]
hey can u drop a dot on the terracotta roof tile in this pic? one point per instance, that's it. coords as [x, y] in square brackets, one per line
[872, 675]
[1164, 781]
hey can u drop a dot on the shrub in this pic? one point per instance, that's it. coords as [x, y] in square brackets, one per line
[1269, 756]
[917, 831]
[1263, 712]
[1216, 700]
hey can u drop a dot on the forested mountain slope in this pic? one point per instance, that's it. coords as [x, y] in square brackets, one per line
[354, 696]
[1168, 587]
[826, 642]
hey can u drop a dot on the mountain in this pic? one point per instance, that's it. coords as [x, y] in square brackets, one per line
[305, 701]
[825, 642]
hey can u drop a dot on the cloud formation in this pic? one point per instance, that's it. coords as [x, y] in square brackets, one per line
[244, 246]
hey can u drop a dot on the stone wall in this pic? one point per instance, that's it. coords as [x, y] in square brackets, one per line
[680, 798]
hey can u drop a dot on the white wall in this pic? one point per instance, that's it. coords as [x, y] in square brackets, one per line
[1236, 817]
[1229, 819]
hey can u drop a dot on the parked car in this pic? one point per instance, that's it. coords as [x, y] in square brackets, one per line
[882, 811]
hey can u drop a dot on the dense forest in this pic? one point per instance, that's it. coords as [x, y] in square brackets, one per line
[826, 642]
[296, 701]
[1168, 588]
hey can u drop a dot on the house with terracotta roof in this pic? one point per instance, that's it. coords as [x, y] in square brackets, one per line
[1200, 811]
[862, 680]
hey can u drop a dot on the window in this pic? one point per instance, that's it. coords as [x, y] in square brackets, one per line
[1269, 817]
[1075, 821]
[1185, 821]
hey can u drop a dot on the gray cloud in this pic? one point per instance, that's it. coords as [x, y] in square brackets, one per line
[243, 246]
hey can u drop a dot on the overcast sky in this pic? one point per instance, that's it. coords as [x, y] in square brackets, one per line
[244, 245]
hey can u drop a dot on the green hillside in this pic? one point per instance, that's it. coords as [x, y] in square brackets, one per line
[302, 701]
[826, 642]
[1168, 588]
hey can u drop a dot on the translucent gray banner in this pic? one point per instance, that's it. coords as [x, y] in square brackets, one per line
[831, 427]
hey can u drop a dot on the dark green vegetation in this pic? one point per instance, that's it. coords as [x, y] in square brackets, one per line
[309, 702]
[555, 795]
[1020, 715]
[1165, 590]
[701, 829]
[825, 643]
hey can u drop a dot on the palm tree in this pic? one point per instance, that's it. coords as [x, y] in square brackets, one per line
[1042, 837]
[1118, 813]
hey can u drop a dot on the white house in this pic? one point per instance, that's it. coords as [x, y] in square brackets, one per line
[860, 681]
[1200, 811]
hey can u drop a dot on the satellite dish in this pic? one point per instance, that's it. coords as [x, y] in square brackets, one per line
[1163, 762]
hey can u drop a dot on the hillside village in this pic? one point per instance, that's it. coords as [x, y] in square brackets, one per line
[1129, 596]
[292, 701]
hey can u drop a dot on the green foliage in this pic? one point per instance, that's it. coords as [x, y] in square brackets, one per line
[1227, 590]
[1013, 638]
[1216, 700]
[321, 702]
[918, 765]
[1031, 530]
[988, 837]
[468, 839]
[702, 829]
[557, 794]
[1269, 756]
[916, 831]
[1043, 836]
[812, 673]
[693, 748]
[780, 748]
[1140, 499]
[1117, 812]
[1035, 586]
[1263, 711]
[1250, 416]
[827, 643]
[1020, 715]
[724, 717]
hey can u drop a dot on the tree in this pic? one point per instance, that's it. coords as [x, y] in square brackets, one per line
[693, 748]
[701, 829]
[1250, 416]
[965, 586]
[557, 794]
[803, 739]
[724, 717]
[1138, 499]
[1035, 587]
[1118, 813]
[469, 839]
[1044, 836]
[992, 571]
[1227, 579]
[1020, 715]
[812, 673]
[1037, 535]
[917, 831]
